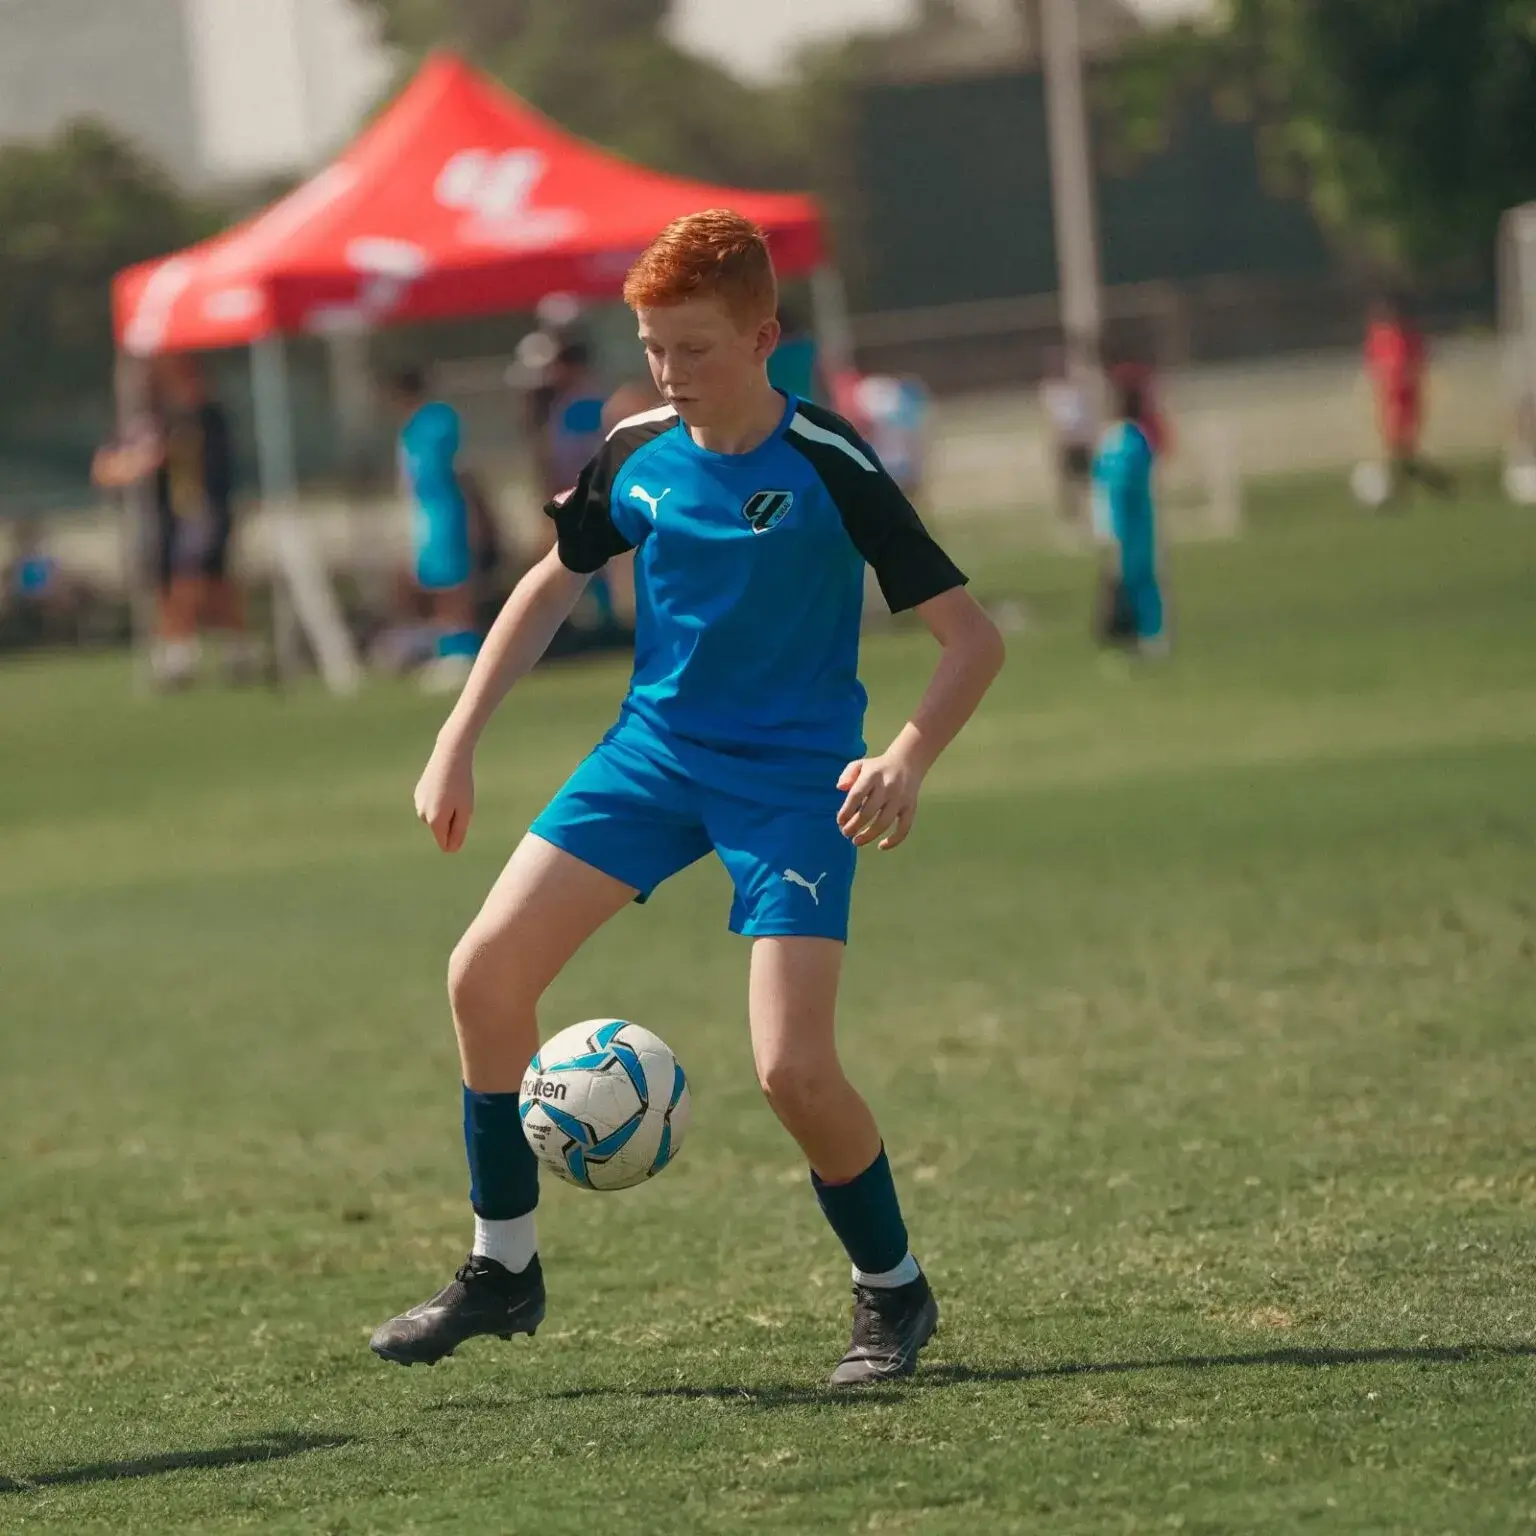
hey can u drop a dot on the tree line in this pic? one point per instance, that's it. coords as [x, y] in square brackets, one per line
[1409, 127]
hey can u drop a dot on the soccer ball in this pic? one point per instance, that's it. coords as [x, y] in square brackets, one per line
[1520, 482]
[604, 1104]
[1371, 483]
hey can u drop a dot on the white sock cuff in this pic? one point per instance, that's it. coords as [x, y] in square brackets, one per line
[887, 1280]
[512, 1244]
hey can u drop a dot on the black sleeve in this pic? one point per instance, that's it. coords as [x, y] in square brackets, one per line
[583, 516]
[584, 520]
[884, 526]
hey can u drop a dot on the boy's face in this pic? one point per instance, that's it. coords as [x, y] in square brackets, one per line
[705, 361]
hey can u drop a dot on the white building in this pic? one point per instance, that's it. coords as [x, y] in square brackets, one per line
[219, 90]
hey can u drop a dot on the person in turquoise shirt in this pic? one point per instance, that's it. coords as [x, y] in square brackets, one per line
[794, 368]
[1125, 518]
[429, 447]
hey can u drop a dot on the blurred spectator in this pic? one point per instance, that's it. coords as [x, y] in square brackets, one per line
[1130, 600]
[490, 578]
[184, 446]
[445, 556]
[1155, 425]
[631, 398]
[795, 364]
[565, 427]
[1071, 415]
[41, 602]
[893, 415]
[1395, 362]
[565, 416]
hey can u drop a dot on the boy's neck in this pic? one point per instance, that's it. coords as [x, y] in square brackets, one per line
[747, 428]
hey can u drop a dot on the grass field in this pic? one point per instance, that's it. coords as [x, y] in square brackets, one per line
[1198, 1015]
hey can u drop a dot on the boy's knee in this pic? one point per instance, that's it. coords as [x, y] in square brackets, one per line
[799, 1086]
[464, 967]
[483, 983]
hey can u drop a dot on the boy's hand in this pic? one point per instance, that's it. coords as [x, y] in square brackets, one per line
[882, 800]
[445, 795]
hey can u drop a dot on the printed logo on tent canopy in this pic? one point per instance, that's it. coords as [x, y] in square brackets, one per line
[496, 192]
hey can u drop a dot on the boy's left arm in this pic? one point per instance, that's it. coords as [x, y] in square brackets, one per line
[882, 791]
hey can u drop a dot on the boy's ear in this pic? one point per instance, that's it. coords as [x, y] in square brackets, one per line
[768, 335]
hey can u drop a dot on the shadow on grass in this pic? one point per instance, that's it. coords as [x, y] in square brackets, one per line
[956, 1374]
[268, 1448]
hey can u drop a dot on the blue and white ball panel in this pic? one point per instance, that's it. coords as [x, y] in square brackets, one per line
[604, 1104]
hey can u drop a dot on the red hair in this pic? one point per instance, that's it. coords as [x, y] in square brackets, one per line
[712, 255]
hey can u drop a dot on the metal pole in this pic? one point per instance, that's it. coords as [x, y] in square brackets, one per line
[1072, 183]
[304, 602]
[834, 330]
[347, 353]
[1525, 268]
[277, 470]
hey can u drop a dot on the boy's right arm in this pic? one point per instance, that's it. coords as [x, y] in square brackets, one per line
[588, 537]
[540, 604]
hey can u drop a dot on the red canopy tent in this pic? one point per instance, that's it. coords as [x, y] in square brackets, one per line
[459, 200]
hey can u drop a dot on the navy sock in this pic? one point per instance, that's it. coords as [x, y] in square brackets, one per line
[503, 1172]
[866, 1215]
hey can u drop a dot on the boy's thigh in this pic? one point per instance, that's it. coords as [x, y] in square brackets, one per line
[626, 818]
[793, 870]
[544, 906]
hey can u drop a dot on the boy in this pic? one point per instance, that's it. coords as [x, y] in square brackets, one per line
[1395, 360]
[445, 566]
[186, 451]
[1066, 395]
[753, 515]
[1125, 521]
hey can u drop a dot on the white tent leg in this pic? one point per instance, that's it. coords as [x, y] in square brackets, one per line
[278, 475]
[351, 394]
[302, 593]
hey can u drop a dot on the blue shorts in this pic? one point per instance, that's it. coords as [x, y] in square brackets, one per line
[642, 822]
[444, 559]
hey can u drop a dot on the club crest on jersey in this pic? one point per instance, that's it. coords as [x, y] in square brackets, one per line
[767, 509]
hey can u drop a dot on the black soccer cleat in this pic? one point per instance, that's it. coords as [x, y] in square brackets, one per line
[889, 1328]
[484, 1298]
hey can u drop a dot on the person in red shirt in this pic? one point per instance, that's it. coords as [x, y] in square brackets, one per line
[1395, 362]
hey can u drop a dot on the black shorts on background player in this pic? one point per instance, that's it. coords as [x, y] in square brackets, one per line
[194, 488]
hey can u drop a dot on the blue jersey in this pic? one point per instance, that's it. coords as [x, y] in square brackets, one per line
[749, 587]
[429, 447]
[1122, 490]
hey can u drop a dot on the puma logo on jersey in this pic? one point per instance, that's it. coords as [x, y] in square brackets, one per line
[639, 493]
[794, 877]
